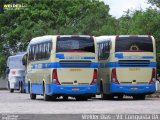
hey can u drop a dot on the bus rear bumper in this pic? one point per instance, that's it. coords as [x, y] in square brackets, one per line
[133, 88]
[53, 89]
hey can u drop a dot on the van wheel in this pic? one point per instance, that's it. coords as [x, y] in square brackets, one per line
[11, 90]
[45, 96]
[139, 97]
[32, 96]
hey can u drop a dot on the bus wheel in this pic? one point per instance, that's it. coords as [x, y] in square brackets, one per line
[139, 97]
[45, 96]
[107, 97]
[81, 98]
[120, 97]
[65, 97]
[32, 96]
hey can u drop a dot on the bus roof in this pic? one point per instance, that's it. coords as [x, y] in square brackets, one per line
[109, 37]
[48, 38]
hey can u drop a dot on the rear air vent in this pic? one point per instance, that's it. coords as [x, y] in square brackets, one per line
[75, 64]
[134, 63]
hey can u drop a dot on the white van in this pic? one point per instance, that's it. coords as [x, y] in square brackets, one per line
[16, 73]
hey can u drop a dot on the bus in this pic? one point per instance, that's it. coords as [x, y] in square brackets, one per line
[62, 66]
[16, 73]
[127, 66]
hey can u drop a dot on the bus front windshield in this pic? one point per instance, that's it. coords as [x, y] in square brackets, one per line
[75, 44]
[134, 44]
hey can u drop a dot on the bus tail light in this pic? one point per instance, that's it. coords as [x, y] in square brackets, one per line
[114, 76]
[94, 81]
[153, 78]
[55, 77]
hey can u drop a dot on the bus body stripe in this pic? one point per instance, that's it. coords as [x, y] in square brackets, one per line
[121, 56]
[64, 65]
[116, 64]
[61, 56]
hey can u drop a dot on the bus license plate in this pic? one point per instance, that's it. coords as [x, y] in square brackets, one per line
[75, 89]
[134, 88]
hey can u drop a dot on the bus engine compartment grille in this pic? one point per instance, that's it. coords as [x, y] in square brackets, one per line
[134, 63]
[75, 64]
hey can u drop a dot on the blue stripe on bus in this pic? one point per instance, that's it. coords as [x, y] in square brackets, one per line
[120, 56]
[53, 89]
[61, 56]
[116, 64]
[128, 88]
[147, 57]
[88, 57]
[65, 65]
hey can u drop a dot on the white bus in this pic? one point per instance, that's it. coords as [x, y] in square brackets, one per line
[63, 65]
[127, 66]
[16, 73]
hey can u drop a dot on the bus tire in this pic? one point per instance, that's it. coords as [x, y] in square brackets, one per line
[108, 96]
[32, 96]
[120, 97]
[81, 98]
[45, 96]
[139, 97]
[65, 97]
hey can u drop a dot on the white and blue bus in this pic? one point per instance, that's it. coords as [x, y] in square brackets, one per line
[16, 72]
[127, 66]
[62, 65]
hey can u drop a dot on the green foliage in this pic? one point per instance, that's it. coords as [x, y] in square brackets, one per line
[155, 2]
[43, 17]
[141, 22]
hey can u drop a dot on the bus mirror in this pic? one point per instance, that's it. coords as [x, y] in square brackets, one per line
[110, 45]
[24, 60]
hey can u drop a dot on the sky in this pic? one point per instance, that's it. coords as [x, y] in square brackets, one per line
[117, 7]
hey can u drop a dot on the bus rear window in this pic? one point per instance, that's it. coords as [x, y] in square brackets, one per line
[75, 44]
[134, 44]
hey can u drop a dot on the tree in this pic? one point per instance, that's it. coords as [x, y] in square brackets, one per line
[43, 17]
[155, 2]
